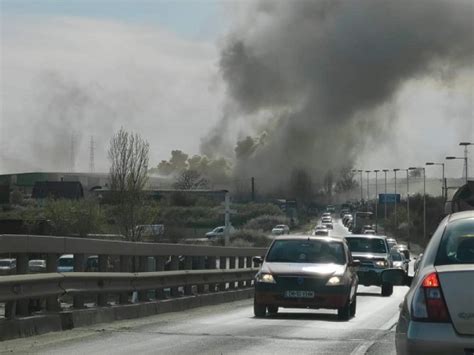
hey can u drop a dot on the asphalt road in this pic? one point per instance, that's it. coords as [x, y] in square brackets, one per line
[232, 329]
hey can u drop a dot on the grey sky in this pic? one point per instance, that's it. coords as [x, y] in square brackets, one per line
[86, 67]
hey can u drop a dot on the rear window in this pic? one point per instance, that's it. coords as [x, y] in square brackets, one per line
[457, 244]
[367, 245]
[66, 262]
[306, 251]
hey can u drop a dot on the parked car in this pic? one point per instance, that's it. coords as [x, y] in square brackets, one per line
[374, 255]
[65, 263]
[306, 272]
[437, 314]
[281, 229]
[37, 266]
[7, 266]
[219, 232]
[399, 260]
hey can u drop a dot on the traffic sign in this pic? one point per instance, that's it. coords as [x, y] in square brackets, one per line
[389, 198]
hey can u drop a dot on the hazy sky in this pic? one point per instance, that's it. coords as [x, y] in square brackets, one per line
[79, 68]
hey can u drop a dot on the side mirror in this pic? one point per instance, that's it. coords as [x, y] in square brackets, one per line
[396, 277]
[258, 260]
[355, 263]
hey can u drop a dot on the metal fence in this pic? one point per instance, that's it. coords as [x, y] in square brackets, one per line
[148, 270]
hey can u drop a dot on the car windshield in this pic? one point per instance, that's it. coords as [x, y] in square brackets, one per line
[306, 251]
[396, 257]
[5, 263]
[367, 245]
[457, 244]
[66, 262]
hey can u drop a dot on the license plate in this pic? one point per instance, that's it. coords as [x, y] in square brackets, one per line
[299, 294]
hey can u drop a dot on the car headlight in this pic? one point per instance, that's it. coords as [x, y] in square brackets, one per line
[266, 278]
[381, 263]
[334, 281]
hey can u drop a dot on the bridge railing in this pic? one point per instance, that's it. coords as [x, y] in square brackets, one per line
[146, 270]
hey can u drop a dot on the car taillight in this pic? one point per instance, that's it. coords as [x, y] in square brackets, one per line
[428, 301]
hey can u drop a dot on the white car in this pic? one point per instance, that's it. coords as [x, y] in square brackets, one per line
[326, 220]
[219, 232]
[281, 229]
[321, 232]
[369, 231]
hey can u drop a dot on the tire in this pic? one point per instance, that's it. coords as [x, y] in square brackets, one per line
[344, 313]
[353, 307]
[272, 309]
[387, 290]
[259, 310]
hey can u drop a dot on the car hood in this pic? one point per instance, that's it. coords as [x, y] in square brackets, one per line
[303, 269]
[359, 255]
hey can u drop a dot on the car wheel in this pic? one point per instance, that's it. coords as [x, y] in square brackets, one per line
[260, 310]
[353, 307]
[344, 313]
[272, 309]
[387, 290]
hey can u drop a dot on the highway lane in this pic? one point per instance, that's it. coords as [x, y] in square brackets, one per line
[232, 329]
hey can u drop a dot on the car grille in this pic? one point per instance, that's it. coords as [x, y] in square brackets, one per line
[299, 282]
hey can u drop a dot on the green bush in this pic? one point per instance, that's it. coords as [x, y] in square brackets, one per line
[70, 217]
[265, 223]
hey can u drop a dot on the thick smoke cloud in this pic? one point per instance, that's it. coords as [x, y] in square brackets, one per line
[324, 73]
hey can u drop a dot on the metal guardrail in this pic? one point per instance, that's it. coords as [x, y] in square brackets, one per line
[130, 270]
[18, 287]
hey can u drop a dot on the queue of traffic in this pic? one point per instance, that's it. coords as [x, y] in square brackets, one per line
[324, 271]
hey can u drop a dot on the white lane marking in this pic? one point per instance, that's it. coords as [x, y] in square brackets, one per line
[362, 348]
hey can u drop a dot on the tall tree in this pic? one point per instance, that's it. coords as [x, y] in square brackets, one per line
[191, 180]
[128, 154]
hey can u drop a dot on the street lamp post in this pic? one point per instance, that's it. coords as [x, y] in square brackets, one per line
[463, 158]
[395, 208]
[424, 199]
[368, 195]
[408, 204]
[444, 188]
[376, 201]
[465, 144]
[385, 197]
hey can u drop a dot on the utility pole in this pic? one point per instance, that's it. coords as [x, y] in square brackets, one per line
[408, 205]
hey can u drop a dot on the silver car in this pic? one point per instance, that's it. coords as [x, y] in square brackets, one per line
[437, 315]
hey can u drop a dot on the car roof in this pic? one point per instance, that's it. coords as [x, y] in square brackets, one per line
[460, 215]
[310, 237]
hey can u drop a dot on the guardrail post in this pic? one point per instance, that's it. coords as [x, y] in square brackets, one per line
[222, 265]
[142, 267]
[201, 266]
[248, 264]
[159, 266]
[124, 267]
[79, 262]
[52, 304]
[22, 268]
[232, 266]
[174, 265]
[212, 266]
[102, 297]
[188, 265]
[241, 266]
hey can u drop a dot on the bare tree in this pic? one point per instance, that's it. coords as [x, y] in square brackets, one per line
[191, 180]
[128, 154]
